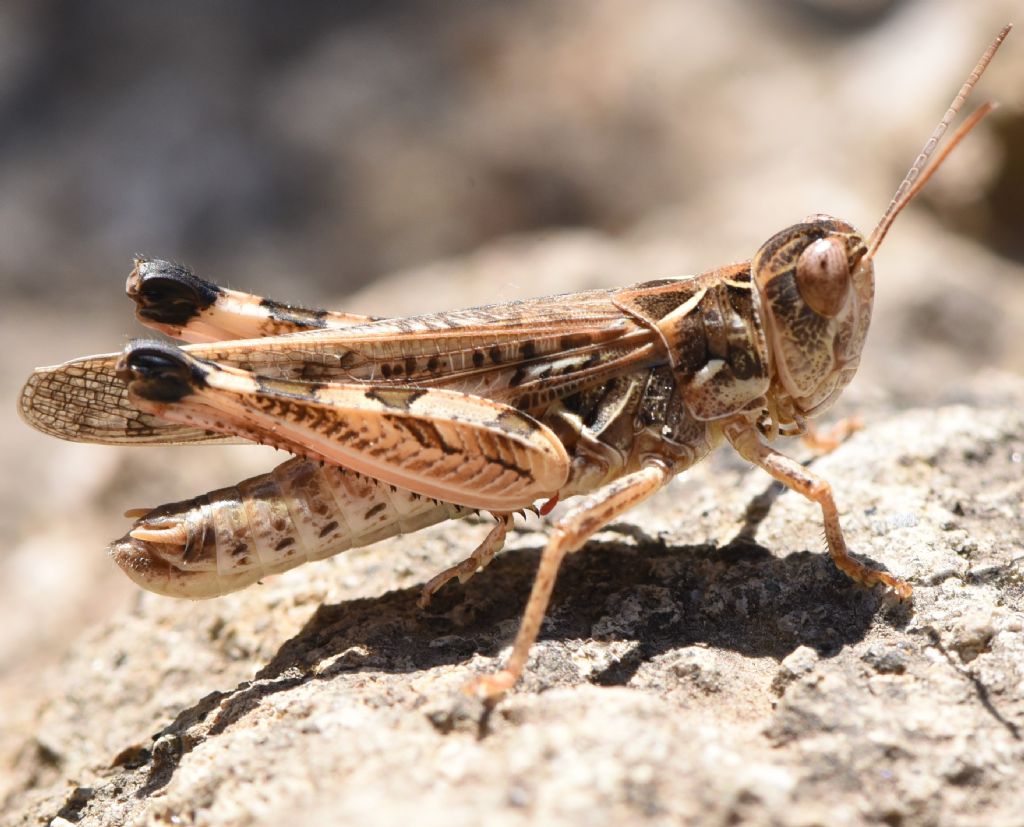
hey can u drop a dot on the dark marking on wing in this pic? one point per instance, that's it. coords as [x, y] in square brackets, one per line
[514, 422]
[313, 318]
[398, 398]
[571, 341]
[287, 387]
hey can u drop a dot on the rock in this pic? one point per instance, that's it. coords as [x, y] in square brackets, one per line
[887, 659]
[797, 664]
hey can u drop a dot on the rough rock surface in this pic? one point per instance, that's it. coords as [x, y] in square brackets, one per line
[701, 661]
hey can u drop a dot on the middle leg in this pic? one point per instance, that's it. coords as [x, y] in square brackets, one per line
[481, 556]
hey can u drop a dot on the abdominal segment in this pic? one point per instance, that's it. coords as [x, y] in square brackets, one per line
[227, 539]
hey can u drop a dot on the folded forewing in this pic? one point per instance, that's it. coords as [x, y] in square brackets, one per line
[521, 350]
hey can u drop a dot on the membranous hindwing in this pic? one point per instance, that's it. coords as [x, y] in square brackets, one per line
[714, 338]
[816, 289]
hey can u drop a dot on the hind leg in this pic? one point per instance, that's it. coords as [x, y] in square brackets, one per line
[568, 534]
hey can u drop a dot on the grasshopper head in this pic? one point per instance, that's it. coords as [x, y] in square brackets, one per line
[816, 285]
[816, 280]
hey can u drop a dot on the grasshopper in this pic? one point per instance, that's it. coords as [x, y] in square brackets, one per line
[401, 423]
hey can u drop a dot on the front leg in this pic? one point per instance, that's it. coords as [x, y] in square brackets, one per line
[752, 447]
[569, 534]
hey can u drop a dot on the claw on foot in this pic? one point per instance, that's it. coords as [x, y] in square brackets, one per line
[490, 688]
[826, 441]
[902, 588]
[869, 577]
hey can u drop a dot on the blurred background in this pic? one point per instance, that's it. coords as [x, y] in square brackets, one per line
[396, 157]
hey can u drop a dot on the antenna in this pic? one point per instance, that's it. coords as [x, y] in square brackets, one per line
[921, 168]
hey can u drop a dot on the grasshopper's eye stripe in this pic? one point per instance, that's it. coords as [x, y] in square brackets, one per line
[823, 275]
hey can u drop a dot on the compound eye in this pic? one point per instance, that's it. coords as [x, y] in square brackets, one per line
[823, 275]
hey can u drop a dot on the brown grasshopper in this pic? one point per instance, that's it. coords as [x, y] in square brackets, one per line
[401, 423]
